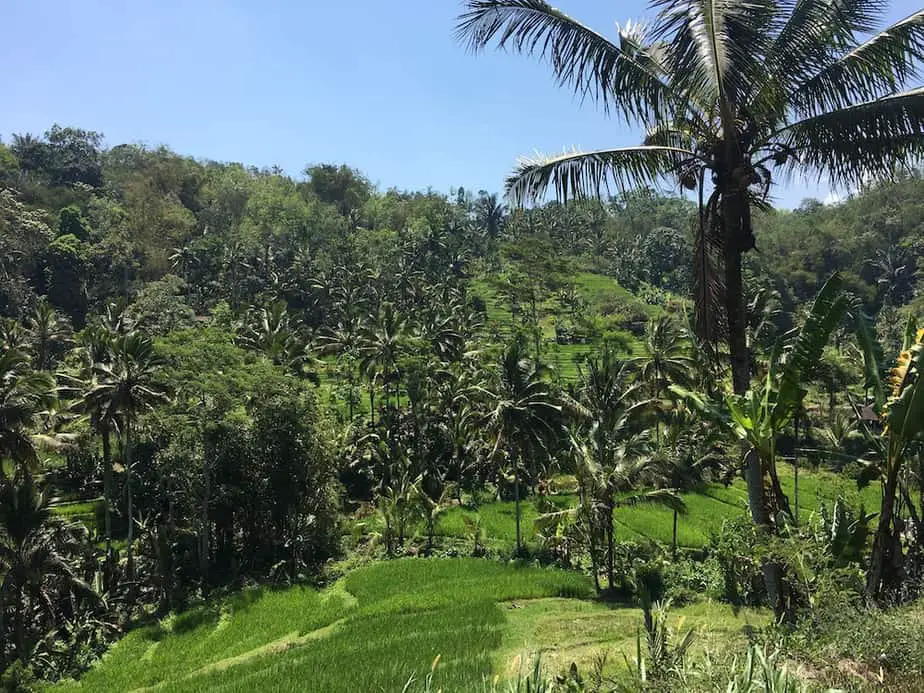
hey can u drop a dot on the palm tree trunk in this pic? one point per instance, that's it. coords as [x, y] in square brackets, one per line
[734, 303]
[516, 498]
[674, 542]
[130, 538]
[107, 490]
[610, 545]
[883, 537]
[205, 528]
[736, 240]
[3, 630]
[20, 616]
[372, 403]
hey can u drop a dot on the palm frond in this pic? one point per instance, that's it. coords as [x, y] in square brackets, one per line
[867, 140]
[880, 65]
[812, 30]
[716, 47]
[625, 76]
[587, 174]
[665, 497]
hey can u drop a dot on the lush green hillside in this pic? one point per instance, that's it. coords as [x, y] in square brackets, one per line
[379, 625]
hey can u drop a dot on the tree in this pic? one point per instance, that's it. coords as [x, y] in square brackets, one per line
[730, 96]
[611, 444]
[904, 418]
[125, 388]
[382, 343]
[490, 216]
[523, 416]
[49, 334]
[33, 559]
[613, 470]
[761, 415]
[688, 450]
[24, 395]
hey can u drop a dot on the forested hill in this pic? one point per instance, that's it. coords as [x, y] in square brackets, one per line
[175, 237]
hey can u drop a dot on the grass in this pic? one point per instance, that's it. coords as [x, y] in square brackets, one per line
[381, 624]
[707, 510]
[603, 296]
[80, 511]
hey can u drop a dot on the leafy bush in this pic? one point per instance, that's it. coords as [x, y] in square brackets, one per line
[734, 551]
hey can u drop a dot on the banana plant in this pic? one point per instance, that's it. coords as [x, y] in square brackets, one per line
[903, 416]
[760, 415]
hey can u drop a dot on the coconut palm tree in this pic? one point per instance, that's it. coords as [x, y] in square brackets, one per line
[523, 416]
[24, 395]
[125, 388]
[732, 97]
[33, 562]
[688, 451]
[490, 216]
[382, 345]
[95, 346]
[48, 334]
[618, 471]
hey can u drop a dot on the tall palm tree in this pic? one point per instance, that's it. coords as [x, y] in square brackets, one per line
[33, 560]
[523, 416]
[490, 215]
[96, 346]
[665, 359]
[615, 471]
[48, 333]
[125, 388]
[24, 395]
[687, 450]
[732, 96]
[383, 342]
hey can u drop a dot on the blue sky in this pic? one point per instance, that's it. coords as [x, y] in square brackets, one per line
[382, 86]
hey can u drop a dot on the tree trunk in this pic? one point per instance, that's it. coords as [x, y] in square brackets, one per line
[107, 490]
[372, 404]
[738, 238]
[882, 538]
[516, 499]
[674, 543]
[205, 528]
[734, 303]
[610, 547]
[130, 538]
[20, 625]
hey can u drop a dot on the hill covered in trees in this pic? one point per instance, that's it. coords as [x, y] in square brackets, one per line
[217, 375]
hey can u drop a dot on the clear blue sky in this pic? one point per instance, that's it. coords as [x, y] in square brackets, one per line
[379, 85]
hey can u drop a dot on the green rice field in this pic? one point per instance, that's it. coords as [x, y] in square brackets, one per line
[381, 624]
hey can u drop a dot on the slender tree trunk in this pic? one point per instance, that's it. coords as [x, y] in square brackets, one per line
[205, 529]
[795, 469]
[610, 545]
[674, 542]
[736, 240]
[20, 616]
[107, 490]
[3, 631]
[130, 538]
[883, 538]
[372, 404]
[516, 497]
